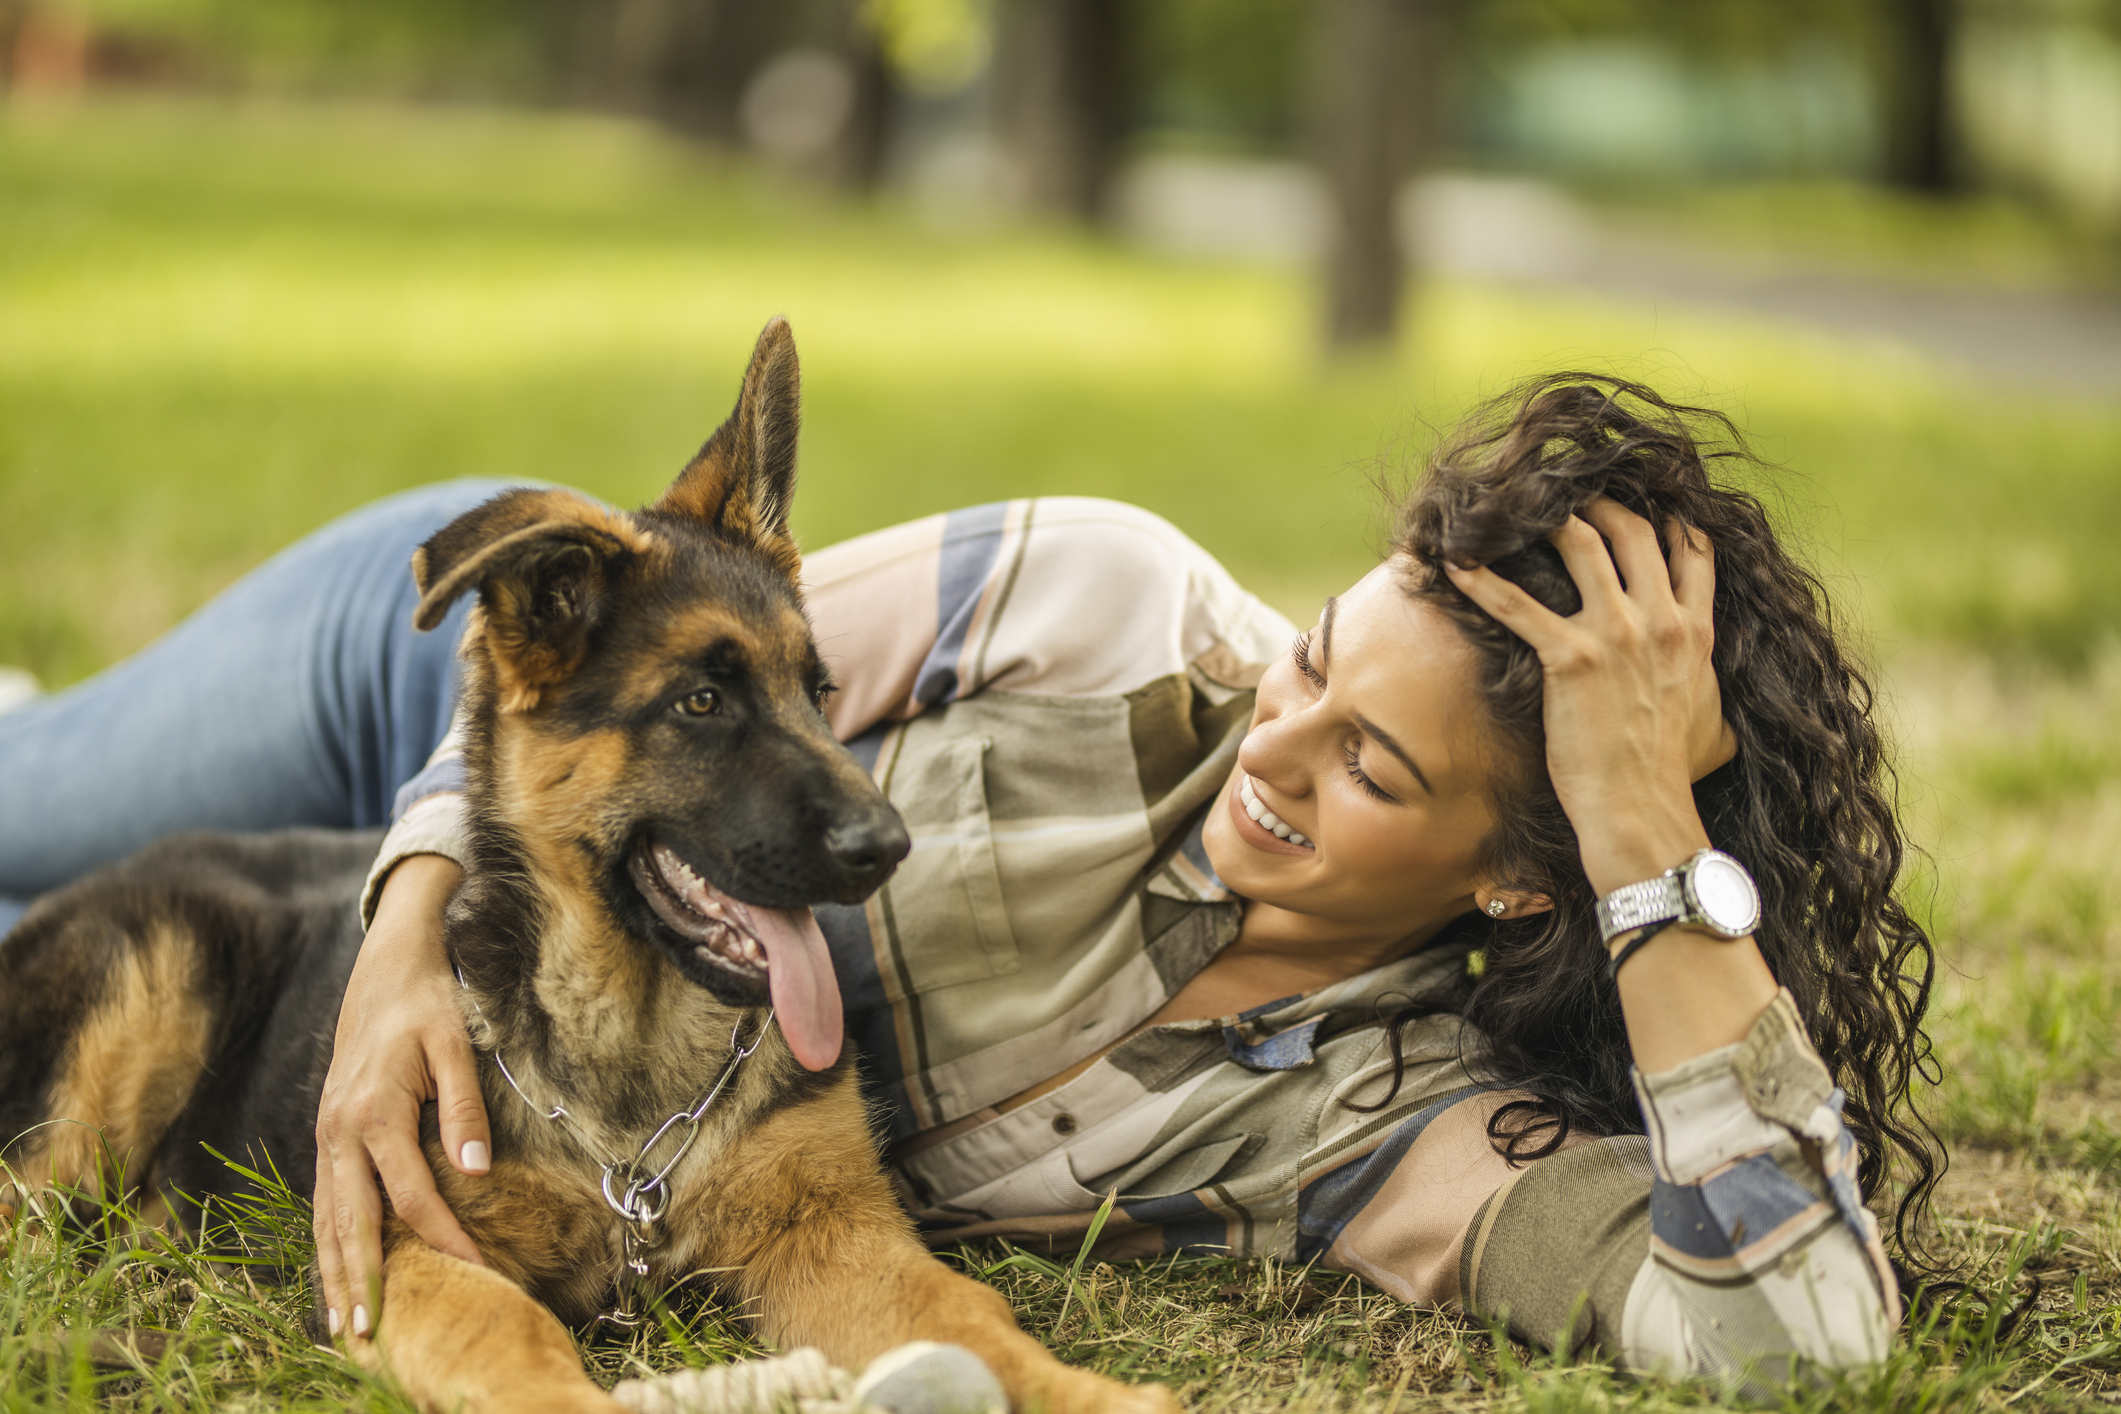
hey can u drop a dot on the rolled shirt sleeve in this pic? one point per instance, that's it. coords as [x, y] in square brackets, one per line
[1730, 1244]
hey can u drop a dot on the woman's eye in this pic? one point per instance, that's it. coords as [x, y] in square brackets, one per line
[1356, 773]
[704, 703]
[1300, 650]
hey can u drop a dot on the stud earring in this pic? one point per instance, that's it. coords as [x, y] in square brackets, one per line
[1496, 908]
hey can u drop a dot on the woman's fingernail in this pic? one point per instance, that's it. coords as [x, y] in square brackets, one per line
[473, 1157]
[360, 1320]
[331, 1318]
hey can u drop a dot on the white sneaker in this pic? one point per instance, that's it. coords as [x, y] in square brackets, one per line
[17, 687]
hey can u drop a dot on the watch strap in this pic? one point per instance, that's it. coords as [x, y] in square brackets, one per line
[1634, 944]
[1632, 906]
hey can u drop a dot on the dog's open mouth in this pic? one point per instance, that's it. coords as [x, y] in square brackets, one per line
[781, 947]
[721, 929]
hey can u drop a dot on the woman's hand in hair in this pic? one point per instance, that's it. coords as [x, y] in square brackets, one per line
[1633, 714]
[400, 1044]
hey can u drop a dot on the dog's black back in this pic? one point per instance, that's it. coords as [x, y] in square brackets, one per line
[251, 937]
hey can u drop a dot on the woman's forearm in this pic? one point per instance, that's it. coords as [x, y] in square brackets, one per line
[409, 905]
[1686, 991]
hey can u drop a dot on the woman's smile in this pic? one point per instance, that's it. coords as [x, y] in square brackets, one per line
[1259, 826]
[1328, 774]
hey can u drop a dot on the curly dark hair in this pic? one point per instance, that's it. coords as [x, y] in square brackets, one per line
[1806, 804]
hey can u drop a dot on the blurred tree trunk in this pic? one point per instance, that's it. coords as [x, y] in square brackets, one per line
[10, 23]
[714, 48]
[1061, 81]
[688, 63]
[1919, 136]
[1375, 109]
[683, 62]
[637, 48]
[865, 141]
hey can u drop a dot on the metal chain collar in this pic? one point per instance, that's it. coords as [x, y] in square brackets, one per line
[635, 1188]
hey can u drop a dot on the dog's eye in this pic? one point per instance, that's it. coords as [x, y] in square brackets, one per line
[704, 703]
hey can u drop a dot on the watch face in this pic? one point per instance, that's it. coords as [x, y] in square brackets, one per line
[1725, 894]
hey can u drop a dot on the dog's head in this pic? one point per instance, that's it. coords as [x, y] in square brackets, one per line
[646, 708]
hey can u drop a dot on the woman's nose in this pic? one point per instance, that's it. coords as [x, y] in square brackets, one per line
[1272, 752]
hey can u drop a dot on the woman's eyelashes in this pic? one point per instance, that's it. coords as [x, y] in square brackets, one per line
[1352, 755]
[1300, 651]
[1300, 654]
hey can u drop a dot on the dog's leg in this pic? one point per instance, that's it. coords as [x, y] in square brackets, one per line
[459, 1337]
[832, 1261]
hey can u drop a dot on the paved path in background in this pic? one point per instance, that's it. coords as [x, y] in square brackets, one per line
[2067, 341]
[1535, 235]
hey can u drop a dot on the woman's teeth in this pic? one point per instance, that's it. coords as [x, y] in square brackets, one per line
[1266, 817]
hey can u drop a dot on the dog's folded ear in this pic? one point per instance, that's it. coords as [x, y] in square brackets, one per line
[541, 562]
[741, 482]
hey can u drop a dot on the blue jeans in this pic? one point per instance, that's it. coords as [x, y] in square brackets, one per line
[301, 696]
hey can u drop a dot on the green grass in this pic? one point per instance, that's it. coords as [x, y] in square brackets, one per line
[222, 324]
[116, 1318]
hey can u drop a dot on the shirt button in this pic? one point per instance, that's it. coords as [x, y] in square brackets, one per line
[1064, 1124]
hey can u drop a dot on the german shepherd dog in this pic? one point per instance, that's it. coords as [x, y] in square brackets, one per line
[655, 800]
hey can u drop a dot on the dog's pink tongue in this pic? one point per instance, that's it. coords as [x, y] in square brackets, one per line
[806, 992]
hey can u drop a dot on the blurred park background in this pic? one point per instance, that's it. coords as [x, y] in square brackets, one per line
[1236, 260]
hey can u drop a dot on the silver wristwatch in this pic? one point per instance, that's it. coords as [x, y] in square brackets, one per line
[1712, 890]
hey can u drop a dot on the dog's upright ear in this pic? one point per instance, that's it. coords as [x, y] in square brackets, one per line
[743, 479]
[542, 563]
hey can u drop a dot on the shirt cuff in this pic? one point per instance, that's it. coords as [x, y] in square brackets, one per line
[433, 824]
[1737, 1100]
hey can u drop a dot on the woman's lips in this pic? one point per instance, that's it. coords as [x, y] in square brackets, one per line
[1257, 835]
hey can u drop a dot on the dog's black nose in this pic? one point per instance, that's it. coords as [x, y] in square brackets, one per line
[866, 851]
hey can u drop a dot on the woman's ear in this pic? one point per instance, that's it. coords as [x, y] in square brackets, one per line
[1500, 904]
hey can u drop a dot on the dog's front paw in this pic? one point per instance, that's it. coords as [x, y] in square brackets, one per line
[922, 1377]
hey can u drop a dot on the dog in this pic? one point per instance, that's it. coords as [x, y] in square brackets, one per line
[655, 799]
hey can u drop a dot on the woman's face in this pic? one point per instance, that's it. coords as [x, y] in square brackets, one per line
[1370, 747]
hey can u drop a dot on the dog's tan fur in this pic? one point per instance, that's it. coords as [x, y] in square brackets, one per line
[129, 1069]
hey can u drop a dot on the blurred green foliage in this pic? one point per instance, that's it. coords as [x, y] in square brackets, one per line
[934, 46]
[1227, 69]
[458, 47]
[223, 323]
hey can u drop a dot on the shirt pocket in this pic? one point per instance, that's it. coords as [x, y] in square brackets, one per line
[942, 913]
[1163, 1173]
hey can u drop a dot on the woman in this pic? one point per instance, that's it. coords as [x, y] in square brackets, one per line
[1296, 948]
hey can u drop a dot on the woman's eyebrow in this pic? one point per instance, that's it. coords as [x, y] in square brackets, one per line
[1384, 739]
[1325, 631]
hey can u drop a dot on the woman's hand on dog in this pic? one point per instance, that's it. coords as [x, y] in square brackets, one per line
[400, 1043]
